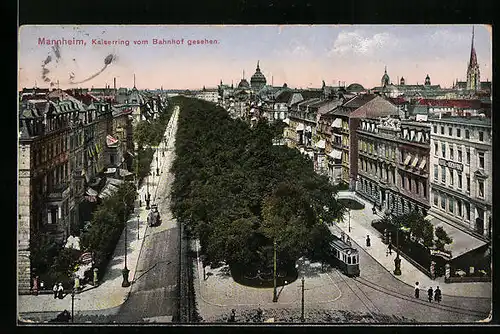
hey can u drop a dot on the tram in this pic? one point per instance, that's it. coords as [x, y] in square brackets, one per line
[345, 257]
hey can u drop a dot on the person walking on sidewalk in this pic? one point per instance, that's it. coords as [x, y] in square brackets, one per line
[417, 290]
[429, 294]
[60, 291]
[54, 289]
[35, 286]
[437, 295]
[368, 243]
[390, 248]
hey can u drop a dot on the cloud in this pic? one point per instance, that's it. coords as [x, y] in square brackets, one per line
[294, 49]
[361, 43]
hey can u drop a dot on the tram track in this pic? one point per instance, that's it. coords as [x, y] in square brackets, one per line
[402, 296]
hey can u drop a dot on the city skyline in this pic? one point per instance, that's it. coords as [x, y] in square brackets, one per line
[300, 56]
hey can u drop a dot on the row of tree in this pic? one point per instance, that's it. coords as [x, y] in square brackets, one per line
[421, 230]
[239, 194]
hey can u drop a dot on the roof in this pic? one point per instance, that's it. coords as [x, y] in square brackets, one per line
[359, 100]
[376, 107]
[473, 120]
[355, 87]
[284, 96]
[473, 104]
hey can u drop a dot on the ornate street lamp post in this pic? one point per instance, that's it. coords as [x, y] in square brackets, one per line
[397, 260]
[138, 234]
[275, 296]
[125, 271]
[349, 211]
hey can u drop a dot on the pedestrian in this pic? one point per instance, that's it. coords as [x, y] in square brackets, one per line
[417, 290]
[60, 291]
[437, 295]
[368, 243]
[54, 289]
[429, 294]
[374, 210]
[390, 248]
[35, 286]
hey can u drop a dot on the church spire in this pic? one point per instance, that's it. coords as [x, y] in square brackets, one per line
[258, 69]
[473, 57]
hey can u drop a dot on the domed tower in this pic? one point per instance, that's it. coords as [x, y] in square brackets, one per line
[402, 81]
[258, 80]
[385, 79]
[427, 80]
[244, 83]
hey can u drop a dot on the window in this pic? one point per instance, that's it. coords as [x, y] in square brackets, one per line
[436, 199]
[417, 186]
[467, 134]
[435, 130]
[467, 178]
[409, 183]
[481, 136]
[467, 210]
[443, 173]
[425, 190]
[459, 133]
[459, 180]
[481, 159]
[450, 131]
[451, 153]
[442, 130]
[451, 176]
[402, 181]
[467, 156]
[443, 150]
[451, 203]
[443, 202]
[480, 188]
[436, 148]
[459, 208]
[459, 154]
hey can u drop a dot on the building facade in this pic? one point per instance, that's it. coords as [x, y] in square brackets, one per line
[461, 173]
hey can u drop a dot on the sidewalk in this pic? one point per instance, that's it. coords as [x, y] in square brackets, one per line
[361, 227]
[109, 293]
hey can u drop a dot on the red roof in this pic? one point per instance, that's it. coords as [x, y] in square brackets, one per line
[472, 104]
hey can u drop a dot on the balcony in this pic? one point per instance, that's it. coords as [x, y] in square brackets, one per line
[59, 192]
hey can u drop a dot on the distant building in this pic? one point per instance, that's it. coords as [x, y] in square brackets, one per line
[258, 80]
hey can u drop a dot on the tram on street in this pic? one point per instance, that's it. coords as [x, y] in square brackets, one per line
[345, 257]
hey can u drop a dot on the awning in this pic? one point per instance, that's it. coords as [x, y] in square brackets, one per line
[125, 173]
[335, 154]
[422, 163]
[320, 144]
[286, 121]
[110, 171]
[91, 192]
[407, 160]
[300, 127]
[109, 188]
[462, 241]
[308, 128]
[337, 123]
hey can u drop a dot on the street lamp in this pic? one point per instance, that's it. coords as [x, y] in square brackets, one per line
[157, 168]
[125, 271]
[138, 227]
[302, 319]
[275, 296]
[73, 305]
[397, 260]
[349, 211]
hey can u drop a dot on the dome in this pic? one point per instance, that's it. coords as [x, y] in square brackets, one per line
[355, 87]
[258, 80]
[244, 84]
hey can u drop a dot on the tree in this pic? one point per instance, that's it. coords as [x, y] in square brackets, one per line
[442, 238]
[428, 234]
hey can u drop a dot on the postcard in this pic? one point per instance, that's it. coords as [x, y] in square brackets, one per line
[236, 174]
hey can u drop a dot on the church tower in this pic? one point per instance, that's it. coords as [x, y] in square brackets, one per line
[473, 75]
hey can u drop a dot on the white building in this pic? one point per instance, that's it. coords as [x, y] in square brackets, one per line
[461, 173]
[210, 95]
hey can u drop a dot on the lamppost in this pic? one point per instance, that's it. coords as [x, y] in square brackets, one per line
[73, 305]
[138, 234]
[302, 319]
[148, 195]
[275, 296]
[157, 168]
[397, 260]
[125, 271]
[349, 211]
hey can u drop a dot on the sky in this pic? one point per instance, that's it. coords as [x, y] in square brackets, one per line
[299, 55]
